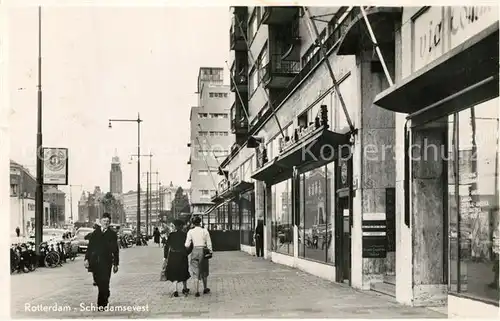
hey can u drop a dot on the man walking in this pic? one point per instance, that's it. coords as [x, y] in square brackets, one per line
[102, 256]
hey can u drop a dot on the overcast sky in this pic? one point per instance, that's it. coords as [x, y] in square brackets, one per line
[101, 63]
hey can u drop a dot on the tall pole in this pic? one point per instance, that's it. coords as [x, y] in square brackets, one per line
[150, 184]
[148, 207]
[39, 161]
[138, 177]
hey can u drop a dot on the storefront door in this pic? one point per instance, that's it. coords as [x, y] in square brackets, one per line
[343, 240]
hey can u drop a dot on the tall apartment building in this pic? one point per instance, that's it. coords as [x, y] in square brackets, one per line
[115, 177]
[328, 169]
[210, 139]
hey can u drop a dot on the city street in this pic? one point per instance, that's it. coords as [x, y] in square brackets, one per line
[242, 286]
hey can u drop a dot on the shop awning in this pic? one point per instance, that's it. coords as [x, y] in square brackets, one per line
[270, 171]
[321, 147]
[356, 37]
[242, 187]
[461, 68]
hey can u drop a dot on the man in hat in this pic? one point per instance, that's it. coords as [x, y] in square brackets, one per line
[103, 256]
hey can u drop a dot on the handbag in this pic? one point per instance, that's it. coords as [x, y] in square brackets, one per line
[163, 274]
[206, 253]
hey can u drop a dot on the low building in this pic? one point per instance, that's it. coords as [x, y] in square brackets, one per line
[22, 201]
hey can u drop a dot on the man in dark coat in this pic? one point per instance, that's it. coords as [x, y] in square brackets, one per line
[259, 239]
[102, 256]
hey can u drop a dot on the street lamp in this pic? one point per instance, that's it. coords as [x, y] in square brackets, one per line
[148, 205]
[138, 121]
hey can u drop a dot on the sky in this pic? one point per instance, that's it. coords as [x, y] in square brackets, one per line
[109, 62]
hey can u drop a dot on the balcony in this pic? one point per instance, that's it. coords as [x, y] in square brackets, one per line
[279, 15]
[278, 72]
[239, 80]
[236, 36]
[239, 121]
[289, 36]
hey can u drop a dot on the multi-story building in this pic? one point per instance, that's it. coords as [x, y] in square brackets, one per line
[115, 177]
[445, 102]
[57, 200]
[130, 207]
[361, 209]
[22, 201]
[210, 136]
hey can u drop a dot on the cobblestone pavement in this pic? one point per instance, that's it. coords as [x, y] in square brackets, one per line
[242, 287]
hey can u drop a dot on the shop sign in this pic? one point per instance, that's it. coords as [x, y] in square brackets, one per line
[374, 235]
[437, 30]
[15, 171]
[55, 166]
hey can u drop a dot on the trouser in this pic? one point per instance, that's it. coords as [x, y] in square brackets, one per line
[259, 246]
[102, 276]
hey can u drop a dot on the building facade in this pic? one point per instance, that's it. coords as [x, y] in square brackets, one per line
[210, 139]
[22, 201]
[90, 206]
[115, 177]
[329, 171]
[447, 164]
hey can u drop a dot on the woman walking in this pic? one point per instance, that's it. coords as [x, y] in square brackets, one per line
[176, 257]
[199, 238]
[156, 236]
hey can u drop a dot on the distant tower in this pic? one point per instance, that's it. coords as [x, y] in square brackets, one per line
[115, 177]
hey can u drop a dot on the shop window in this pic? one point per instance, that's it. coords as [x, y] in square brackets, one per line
[473, 235]
[247, 225]
[316, 228]
[282, 227]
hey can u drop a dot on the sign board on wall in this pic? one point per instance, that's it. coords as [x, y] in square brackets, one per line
[55, 166]
[374, 235]
[437, 30]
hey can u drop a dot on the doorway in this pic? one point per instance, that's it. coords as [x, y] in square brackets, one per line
[343, 240]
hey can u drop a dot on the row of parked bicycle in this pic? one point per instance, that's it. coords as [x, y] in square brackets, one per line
[23, 257]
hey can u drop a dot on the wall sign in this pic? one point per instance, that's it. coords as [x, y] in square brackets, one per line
[374, 235]
[55, 166]
[437, 30]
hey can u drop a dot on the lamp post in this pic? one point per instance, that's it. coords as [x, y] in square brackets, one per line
[138, 121]
[39, 160]
[148, 206]
[71, 200]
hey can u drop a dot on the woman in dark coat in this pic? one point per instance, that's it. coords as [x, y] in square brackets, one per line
[176, 256]
[156, 236]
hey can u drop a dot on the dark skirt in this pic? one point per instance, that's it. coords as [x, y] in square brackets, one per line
[157, 238]
[177, 267]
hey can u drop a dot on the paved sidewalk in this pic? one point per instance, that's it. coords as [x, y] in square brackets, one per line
[242, 287]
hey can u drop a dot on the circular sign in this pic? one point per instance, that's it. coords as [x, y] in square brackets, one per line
[343, 173]
[56, 161]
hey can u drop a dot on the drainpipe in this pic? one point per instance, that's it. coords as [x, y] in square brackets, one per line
[407, 176]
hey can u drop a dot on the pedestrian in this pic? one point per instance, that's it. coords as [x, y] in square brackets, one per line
[102, 256]
[156, 236]
[175, 257]
[18, 231]
[259, 239]
[199, 239]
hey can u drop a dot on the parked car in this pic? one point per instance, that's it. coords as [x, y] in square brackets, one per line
[51, 235]
[80, 240]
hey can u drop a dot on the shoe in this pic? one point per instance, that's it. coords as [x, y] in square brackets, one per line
[205, 291]
[185, 291]
[176, 294]
[197, 294]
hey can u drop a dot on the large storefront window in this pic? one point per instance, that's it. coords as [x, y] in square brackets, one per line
[247, 217]
[316, 228]
[473, 168]
[282, 227]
